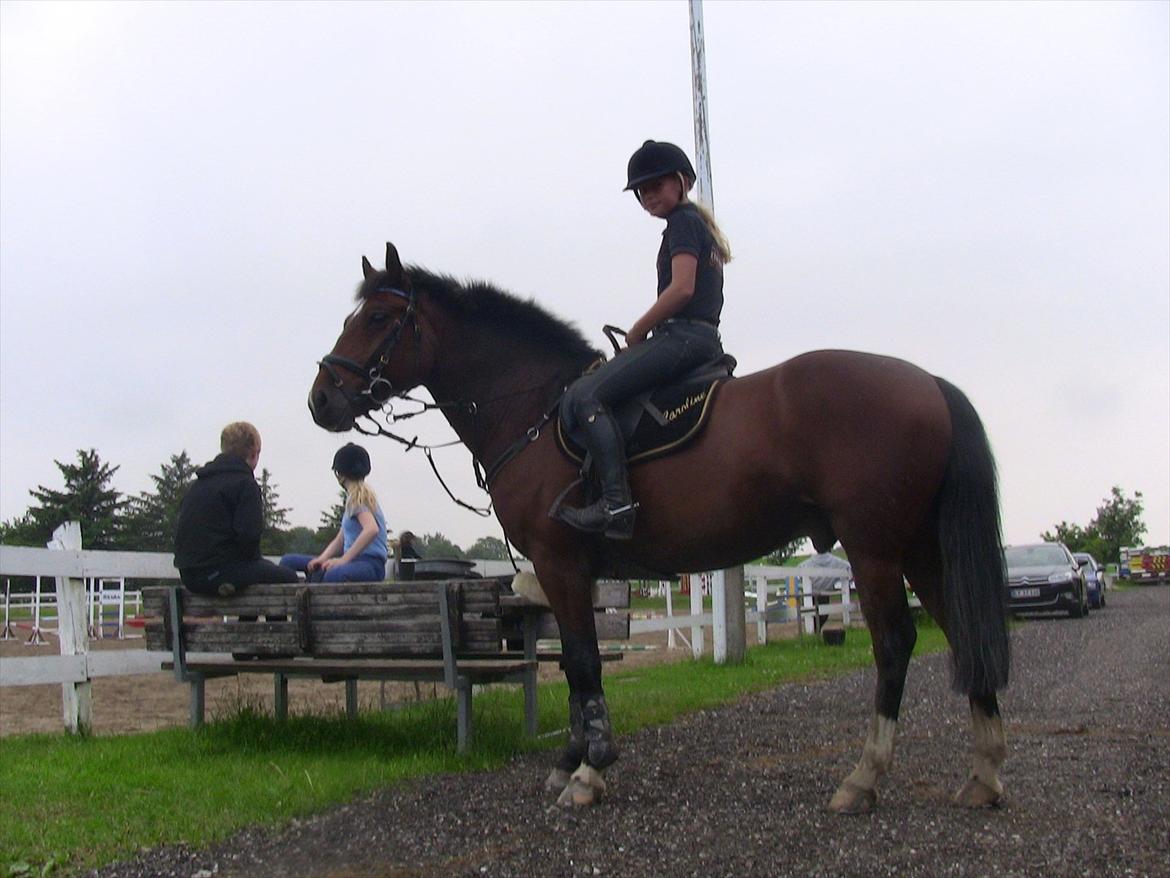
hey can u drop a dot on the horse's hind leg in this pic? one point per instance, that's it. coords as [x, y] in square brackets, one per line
[883, 601]
[983, 787]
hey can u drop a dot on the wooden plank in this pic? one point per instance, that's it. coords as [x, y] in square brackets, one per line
[477, 670]
[478, 635]
[607, 594]
[610, 626]
[340, 599]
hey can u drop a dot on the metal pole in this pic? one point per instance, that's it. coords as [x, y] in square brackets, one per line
[699, 94]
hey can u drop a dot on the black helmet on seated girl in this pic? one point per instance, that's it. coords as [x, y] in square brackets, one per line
[351, 461]
[654, 159]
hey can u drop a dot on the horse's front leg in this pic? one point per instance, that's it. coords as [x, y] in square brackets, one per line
[590, 748]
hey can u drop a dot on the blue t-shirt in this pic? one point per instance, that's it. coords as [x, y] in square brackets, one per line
[351, 529]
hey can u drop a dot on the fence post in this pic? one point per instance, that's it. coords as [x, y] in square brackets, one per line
[72, 616]
[697, 610]
[730, 622]
[669, 615]
[718, 618]
[761, 583]
[808, 621]
[7, 632]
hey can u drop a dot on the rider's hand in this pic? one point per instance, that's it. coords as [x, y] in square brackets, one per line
[637, 334]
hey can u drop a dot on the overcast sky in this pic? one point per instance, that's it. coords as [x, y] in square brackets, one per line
[186, 192]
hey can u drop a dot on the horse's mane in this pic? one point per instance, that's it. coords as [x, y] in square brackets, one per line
[490, 307]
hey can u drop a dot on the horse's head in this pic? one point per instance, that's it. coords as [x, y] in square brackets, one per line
[378, 354]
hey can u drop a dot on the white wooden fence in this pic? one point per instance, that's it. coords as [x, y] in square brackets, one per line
[781, 594]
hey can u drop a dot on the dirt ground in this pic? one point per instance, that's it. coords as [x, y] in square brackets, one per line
[148, 702]
[742, 790]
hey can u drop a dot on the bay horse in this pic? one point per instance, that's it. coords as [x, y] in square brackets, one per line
[831, 445]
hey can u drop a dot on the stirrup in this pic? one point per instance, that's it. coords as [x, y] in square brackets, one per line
[619, 523]
[616, 524]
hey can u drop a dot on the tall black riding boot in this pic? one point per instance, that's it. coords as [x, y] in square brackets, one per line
[613, 513]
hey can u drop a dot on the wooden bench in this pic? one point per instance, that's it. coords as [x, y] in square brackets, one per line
[461, 633]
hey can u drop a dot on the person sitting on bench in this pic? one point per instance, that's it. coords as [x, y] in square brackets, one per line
[221, 519]
[359, 551]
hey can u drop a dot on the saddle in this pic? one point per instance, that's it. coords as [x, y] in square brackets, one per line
[662, 420]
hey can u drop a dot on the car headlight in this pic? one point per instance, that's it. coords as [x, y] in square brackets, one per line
[1057, 578]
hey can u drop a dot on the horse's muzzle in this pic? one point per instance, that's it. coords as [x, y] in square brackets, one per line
[330, 407]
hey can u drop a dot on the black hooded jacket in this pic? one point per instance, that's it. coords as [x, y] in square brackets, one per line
[221, 516]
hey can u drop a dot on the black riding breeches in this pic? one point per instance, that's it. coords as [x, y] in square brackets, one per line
[674, 349]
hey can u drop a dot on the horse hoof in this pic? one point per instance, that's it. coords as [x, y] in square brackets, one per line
[585, 788]
[976, 794]
[557, 780]
[850, 799]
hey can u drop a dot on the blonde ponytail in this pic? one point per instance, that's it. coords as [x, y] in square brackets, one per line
[722, 247]
[359, 494]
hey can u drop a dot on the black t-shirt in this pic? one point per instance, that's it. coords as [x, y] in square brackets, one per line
[687, 233]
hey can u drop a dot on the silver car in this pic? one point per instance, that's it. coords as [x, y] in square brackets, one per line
[1045, 577]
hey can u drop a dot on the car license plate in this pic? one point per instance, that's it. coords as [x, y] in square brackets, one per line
[1025, 592]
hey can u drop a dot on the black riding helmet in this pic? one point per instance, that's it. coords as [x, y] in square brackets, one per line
[655, 159]
[351, 461]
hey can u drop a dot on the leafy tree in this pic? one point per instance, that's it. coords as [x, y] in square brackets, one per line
[303, 540]
[437, 546]
[1118, 523]
[20, 531]
[782, 554]
[152, 515]
[488, 549]
[88, 498]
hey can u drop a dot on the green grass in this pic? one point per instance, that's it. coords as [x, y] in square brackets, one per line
[69, 803]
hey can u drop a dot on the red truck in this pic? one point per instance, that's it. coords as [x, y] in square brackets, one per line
[1145, 564]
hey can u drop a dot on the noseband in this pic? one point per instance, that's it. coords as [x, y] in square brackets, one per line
[378, 389]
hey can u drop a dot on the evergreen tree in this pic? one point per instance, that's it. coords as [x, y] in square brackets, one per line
[331, 517]
[88, 498]
[150, 521]
[275, 516]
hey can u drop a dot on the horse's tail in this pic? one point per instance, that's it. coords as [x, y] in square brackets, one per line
[974, 578]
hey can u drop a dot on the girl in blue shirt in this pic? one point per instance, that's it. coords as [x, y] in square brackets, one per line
[358, 553]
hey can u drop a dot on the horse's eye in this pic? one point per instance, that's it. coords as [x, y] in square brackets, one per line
[379, 317]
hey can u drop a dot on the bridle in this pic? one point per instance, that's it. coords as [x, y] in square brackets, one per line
[376, 387]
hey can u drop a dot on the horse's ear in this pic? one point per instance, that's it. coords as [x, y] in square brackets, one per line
[367, 269]
[393, 264]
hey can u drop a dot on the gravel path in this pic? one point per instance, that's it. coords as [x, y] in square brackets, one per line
[741, 791]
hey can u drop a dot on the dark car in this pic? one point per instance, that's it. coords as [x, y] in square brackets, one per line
[1045, 577]
[1094, 578]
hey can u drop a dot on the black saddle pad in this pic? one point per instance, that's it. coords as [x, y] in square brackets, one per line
[659, 422]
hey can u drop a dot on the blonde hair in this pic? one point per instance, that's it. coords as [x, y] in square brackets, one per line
[359, 494]
[722, 247]
[239, 438]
